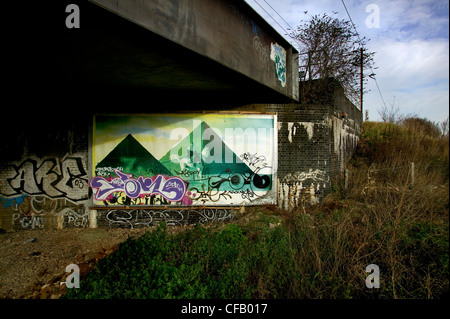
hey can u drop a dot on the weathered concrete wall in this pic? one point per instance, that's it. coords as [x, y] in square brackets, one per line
[346, 120]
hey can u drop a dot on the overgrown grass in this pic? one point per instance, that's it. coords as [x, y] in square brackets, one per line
[323, 255]
[403, 219]
[318, 251]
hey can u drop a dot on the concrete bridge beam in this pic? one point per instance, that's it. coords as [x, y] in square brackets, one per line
[228, 32]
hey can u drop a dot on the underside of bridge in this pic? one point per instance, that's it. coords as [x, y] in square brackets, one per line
[127, 55]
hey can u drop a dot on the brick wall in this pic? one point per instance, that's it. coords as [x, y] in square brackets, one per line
[315, 141]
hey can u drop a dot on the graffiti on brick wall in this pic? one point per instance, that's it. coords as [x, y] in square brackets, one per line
[316, 175]
[31, 212]
[52, 177]
[184, 159]
[37, 192]
[138, 218]
[300, 188]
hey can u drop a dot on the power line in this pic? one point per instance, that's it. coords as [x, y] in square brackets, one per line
[290, 27]
[354, 27]
[293, 38]
[270, 16]
[360, 42]
[279, 15]
[379, 91]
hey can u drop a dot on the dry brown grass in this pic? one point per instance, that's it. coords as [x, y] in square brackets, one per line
[380, 218]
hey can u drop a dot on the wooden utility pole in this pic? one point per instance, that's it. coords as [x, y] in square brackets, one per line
[361, 79]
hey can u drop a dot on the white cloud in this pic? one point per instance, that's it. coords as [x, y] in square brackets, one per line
[416, 73]
[411, 64]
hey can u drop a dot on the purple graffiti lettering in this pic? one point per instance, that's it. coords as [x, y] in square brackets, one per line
[172, 188]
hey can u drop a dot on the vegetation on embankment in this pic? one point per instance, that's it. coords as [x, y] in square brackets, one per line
[380, 217]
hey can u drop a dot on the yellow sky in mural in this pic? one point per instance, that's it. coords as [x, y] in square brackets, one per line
[159, 133]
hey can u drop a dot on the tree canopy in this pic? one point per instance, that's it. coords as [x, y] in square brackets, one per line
[331, 48]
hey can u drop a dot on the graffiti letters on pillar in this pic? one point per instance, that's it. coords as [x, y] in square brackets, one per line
[52, 177]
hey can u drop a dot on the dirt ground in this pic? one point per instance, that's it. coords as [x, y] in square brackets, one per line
[33, 262]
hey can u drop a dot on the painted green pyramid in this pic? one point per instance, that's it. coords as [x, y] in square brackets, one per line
[208, 153]
[133, 158]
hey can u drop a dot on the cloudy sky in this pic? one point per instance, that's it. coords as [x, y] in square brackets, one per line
[411, 44]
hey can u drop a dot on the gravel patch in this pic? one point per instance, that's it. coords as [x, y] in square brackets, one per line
[32, 261]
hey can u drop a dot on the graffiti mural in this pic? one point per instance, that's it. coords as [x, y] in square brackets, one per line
[172, 188]
[278, 56]
[184, 159]
[52, 177]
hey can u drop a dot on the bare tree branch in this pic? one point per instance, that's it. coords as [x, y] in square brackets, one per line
[331, 49]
